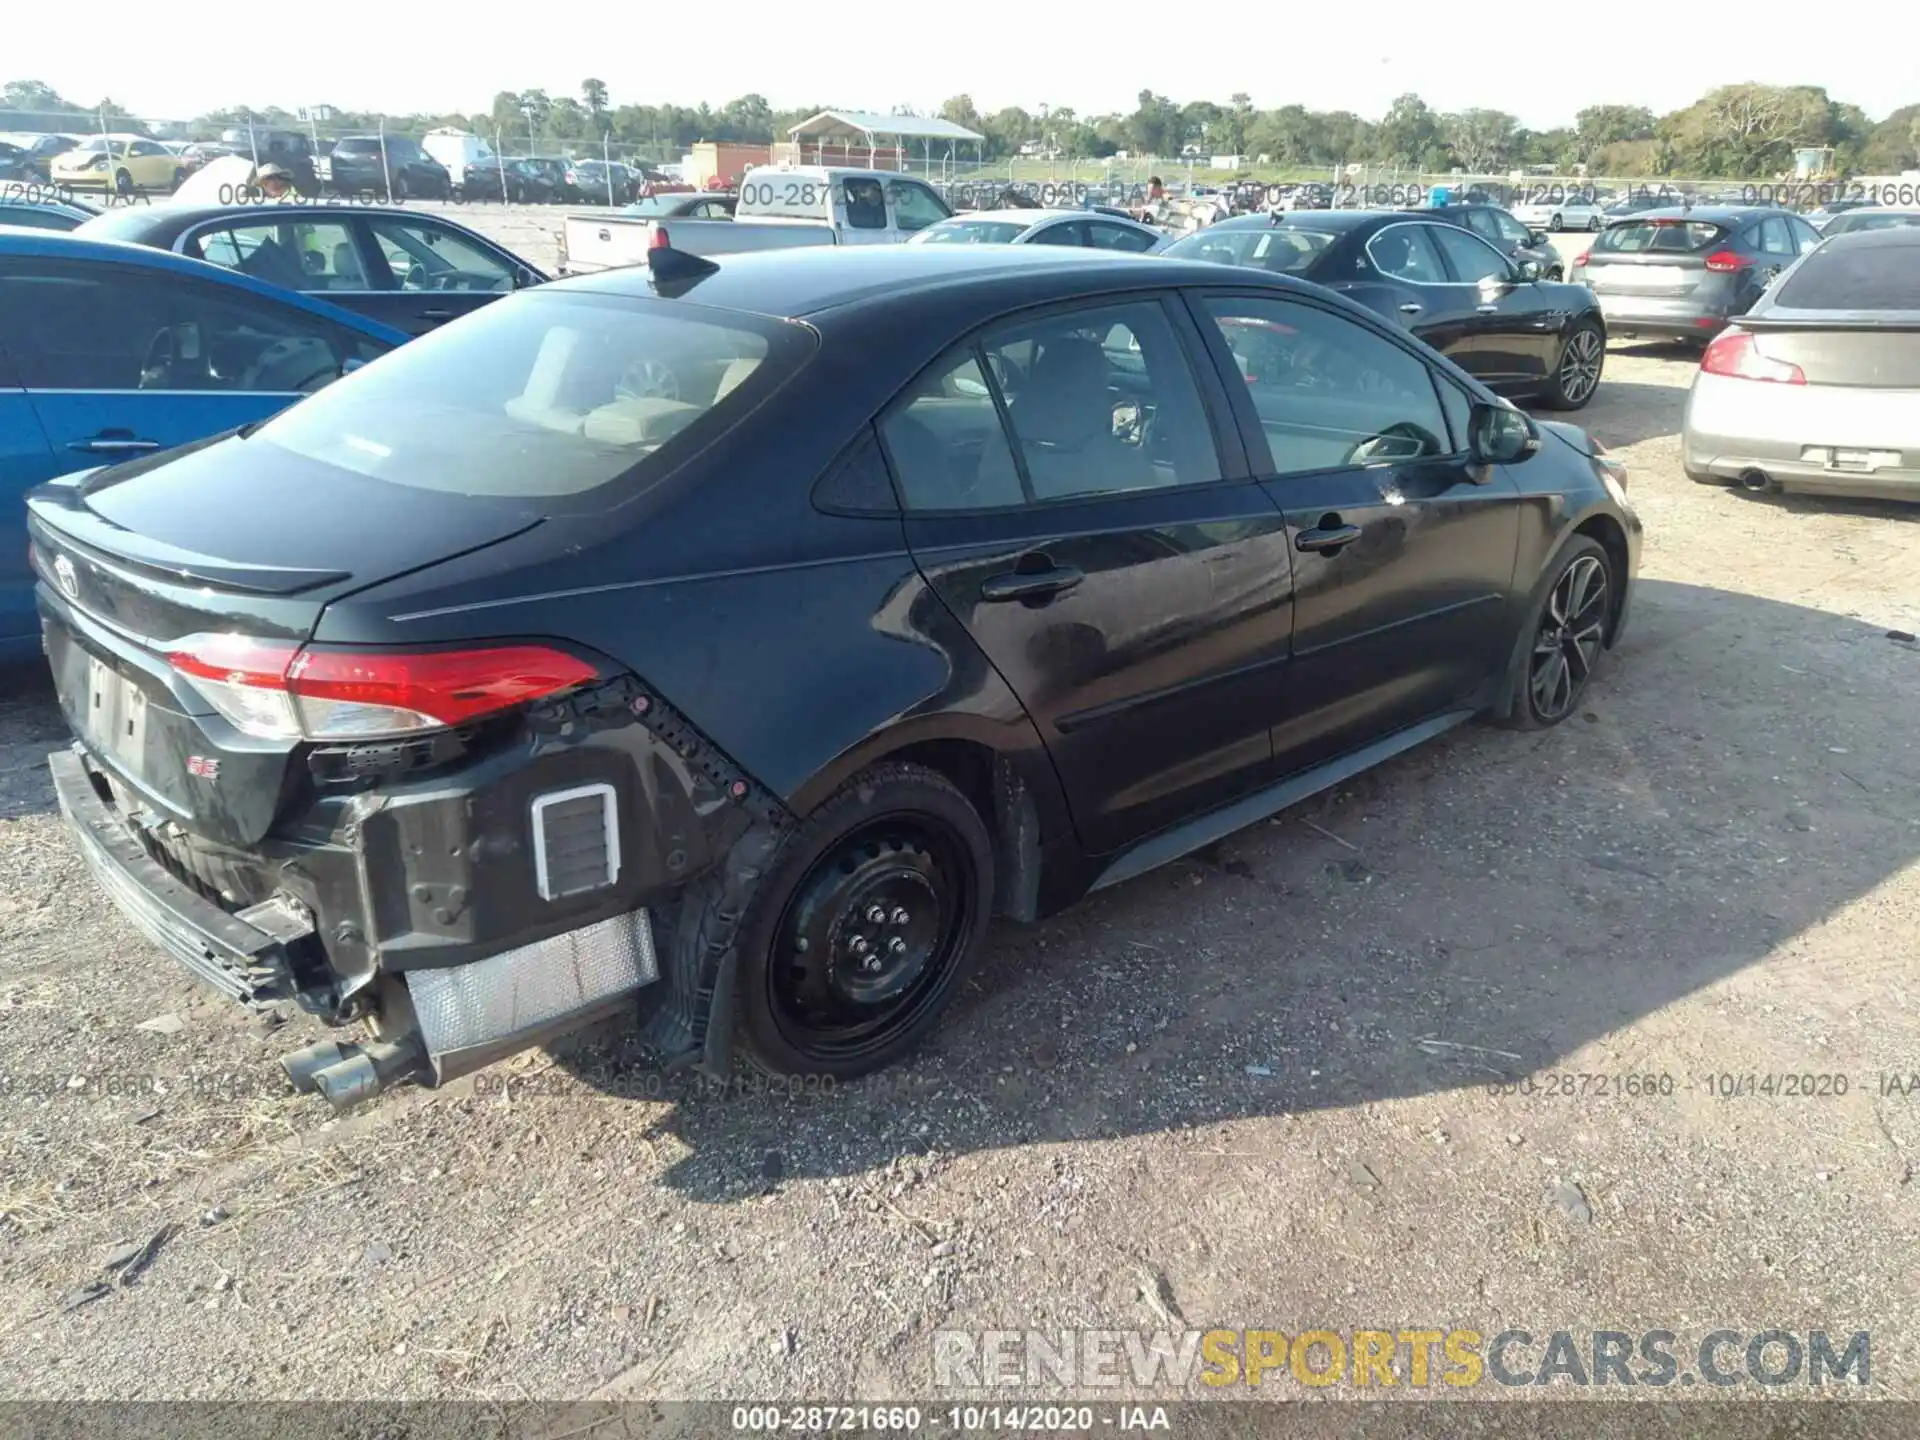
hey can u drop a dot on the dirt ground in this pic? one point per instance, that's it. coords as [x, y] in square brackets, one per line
[1250, 1090]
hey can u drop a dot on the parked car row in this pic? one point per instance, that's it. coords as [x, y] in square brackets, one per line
[1180, 531]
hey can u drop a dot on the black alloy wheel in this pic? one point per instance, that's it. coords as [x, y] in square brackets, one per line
[1576, 375]
[858, 936]
[1568, 633]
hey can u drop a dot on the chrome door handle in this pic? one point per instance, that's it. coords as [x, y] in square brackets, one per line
[1410, 308]
[99, 446]
[1487, 309]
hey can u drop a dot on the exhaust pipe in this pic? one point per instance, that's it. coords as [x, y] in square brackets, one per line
[367, 1071]
[1759, 482]
[302, 1065]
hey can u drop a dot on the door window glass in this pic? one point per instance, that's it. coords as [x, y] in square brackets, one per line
[1329, 393]
[1470, 257]
[426, 256]
[1071, 232]
[946, 435]
[866, 204]
[1405, 253]
[1119, 237]
[100, 327]
[1101, 401]
[914, 207]
[297, 254]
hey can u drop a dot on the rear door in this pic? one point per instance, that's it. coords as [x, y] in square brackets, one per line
[1075, 494]
[1403, 554]
[120, 360]
[26, 459]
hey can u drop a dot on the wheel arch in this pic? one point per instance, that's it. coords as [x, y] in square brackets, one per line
[1604, 530]
[1013, 789]
[1612, 536]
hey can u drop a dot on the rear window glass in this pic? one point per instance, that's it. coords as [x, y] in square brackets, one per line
[1854, 277]
[973, 232]
[1282, 248]
[1872, 220]
[546, 395]
[357, 147]
[1657, 237]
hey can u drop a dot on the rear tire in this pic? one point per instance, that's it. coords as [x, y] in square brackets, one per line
[1577, 370]
[827, 989]
[1596, 225]
[1556, 223]
[1565, 635]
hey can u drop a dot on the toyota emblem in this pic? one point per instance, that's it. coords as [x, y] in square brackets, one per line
[69, 582]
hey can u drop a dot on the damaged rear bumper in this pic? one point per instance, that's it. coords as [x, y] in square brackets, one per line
[466, 914]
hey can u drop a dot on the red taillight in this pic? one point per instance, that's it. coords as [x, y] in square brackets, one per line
[659, 240]
[1726, 261]
[274, 690]
[1582, 258]
[1736, 354]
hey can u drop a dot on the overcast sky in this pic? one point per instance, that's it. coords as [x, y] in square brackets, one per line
[1541, 63]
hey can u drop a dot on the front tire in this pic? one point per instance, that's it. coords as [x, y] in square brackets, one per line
[866, 922]
[1566, 632]
[1596, 225]
[1576, 373]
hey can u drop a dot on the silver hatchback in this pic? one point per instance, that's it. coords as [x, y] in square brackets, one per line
[1817, 387]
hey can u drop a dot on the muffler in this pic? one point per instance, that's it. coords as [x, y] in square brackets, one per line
[1759, 482]
[302, 1065]
[367, 1070]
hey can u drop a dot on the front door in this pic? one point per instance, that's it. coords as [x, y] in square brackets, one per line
[1075, 496]
[1516, 333]
[1402, 563]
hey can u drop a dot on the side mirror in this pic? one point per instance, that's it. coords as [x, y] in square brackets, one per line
[1539, 237]
[1501, 435]
[1525, 269]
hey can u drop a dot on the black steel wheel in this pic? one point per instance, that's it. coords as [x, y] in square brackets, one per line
[862, 928]
[1564, 638]
[1576, 374]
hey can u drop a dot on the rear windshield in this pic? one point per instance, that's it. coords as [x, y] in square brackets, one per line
[973, 232]
[1854, 277]
[357, 147]
[545, 395]
[1281, 248]
[1872, 220]
[1657, 237]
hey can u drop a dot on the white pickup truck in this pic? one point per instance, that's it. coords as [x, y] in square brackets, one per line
[778, 208]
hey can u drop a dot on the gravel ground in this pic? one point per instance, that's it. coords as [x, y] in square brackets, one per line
[1250, 1090]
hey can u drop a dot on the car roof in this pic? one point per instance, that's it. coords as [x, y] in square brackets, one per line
[1325, 219]
[1024, 217]
[1892, 237]
[1712, 214]
[811, 280]
[58, 245]
[171, 218]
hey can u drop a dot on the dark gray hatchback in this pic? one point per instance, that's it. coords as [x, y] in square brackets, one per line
[1683, 273]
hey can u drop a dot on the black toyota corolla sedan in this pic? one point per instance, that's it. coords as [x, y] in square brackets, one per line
[736, 640]
[1495, 317]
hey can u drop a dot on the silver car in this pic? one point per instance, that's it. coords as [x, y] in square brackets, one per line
[1817, 387]
[1092, 229]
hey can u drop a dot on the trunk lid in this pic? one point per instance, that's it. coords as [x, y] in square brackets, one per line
[211, 540]
[1662, 258]
[1881, 353]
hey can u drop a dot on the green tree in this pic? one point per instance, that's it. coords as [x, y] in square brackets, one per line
[593, 94]
[1481, 140]
[1409, 134]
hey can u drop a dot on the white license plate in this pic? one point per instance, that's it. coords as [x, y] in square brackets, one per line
[1865, 460]
[116, 714]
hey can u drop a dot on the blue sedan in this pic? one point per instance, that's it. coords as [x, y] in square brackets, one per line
[111, 351]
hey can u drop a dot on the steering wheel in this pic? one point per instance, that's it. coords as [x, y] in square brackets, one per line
[1391, 444]
[417, 277]
[647, 380]
[156, 366]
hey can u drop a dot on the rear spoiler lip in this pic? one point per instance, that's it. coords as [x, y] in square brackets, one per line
[57, 513]
[1898, 321]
